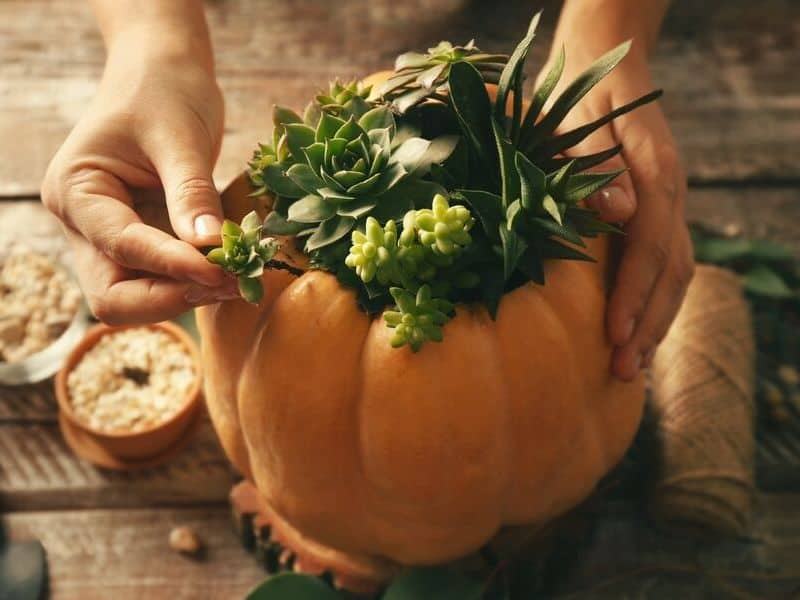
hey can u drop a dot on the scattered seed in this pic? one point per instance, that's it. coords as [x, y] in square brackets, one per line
[184, 540]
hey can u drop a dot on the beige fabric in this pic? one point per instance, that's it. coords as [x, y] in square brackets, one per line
[703, 398]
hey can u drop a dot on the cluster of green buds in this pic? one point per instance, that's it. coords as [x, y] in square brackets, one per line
[244, 254]
[373, 253]
[345, 98]
[419, 317]
[444, 229]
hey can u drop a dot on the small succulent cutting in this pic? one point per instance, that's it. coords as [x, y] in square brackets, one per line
[422, 192]
[244, 253]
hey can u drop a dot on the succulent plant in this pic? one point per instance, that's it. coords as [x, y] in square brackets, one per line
[374, 252]
[444, 229]
[244, 253]
[342, 170]
[419, 317]
[418, 76]
[345, 99]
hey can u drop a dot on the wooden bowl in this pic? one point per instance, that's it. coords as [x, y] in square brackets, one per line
[147, 444]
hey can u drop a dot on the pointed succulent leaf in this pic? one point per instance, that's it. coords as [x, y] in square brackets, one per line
[577, 90]
[472, 106]
[540, 98]
[555, 249]
[390, 177]
[560, 143]
[511, 78]
[428, 77]
[487, 207]
[305, 178]
[282, 116]
[513, 247]
[410, 153]
[216, 256]
[509, 176]
[312, 114]
[298, 136]
[514, 214]
[557, 229]
[551, 208]
[334, 196]
[251, 222]
[350, 131]
[437, 152]
[230, 229]
[533, 181]
[379, 117]
[329, 231]
[356, 208]
[251, 289]
[276, 224]
[585, 162]
[583, 185]
[311, 209]
[327, 127]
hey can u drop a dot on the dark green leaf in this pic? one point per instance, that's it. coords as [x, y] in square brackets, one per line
[540, 98]
[492, 286]
[410, 152]
[560, 143]
[582, 163]
[311, 209]
[23, 569]
[487, 207]
[276, 224]
[763, 281]
[298, 136]
[513, 247]
[292, 586]
[330, 231]
[531, 264]
[379, 117]
[575, 91]
[305, 178]
[357, 208]
[511, 78]
[559, 230]
[327, 127]
[509, 177]
[390, 177]
[434, 583]
[533, 181]
[585, 184]
[472, 106]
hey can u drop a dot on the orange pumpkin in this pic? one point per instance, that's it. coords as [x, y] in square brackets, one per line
[422, 457]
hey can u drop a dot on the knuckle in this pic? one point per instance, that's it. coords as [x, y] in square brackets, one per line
[117, 247]
[103, 309]
[659, 253]
[191, 189]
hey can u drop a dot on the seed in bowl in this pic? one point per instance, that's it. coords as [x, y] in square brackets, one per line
[131, 380]
[38, 301]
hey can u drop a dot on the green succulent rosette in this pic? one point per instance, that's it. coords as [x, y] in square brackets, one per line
[244, 253]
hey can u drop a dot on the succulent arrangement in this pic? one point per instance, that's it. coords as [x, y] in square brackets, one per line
[424, 192]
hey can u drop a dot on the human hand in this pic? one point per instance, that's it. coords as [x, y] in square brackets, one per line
[144, 150]
[657, 261]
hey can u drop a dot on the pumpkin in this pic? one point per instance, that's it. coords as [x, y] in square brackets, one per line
[416, 457]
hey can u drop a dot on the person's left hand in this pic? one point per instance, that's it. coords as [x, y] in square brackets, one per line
[657, 259]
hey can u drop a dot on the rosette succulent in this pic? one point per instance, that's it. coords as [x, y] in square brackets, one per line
[244, 253]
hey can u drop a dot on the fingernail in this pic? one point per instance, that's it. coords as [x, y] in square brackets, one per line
[202, 295]
[207, 225]
[614, 202]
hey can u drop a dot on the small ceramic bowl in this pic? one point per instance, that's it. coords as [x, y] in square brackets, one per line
[123, 450]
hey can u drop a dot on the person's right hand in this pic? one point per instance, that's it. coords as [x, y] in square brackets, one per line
[147, 144]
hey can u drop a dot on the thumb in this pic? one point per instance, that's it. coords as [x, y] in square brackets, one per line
[193, 203]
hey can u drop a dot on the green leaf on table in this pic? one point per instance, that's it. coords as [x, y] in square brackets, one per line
[763, 281]
[435, 583]
[293, 586]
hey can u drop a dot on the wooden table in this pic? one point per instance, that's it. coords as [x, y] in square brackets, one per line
[729, 68]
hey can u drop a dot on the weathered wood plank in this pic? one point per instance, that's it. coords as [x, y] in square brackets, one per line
[38, 471]
[733, 109]
[124, 554]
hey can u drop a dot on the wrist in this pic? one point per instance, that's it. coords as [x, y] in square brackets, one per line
[159, 43]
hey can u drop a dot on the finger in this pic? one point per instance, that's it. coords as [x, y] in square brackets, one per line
[99, 207]
[661, 310]
[184, 162]
[616, 203]
[118, 296]
[647, 245]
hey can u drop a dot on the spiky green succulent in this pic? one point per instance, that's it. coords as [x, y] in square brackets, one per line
[244, 253]
[418, 318]
[345, 99]
[418, 77]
